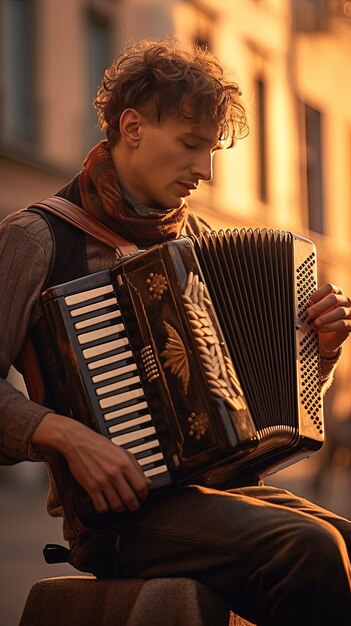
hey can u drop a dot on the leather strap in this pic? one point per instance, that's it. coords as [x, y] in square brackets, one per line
[75, 215]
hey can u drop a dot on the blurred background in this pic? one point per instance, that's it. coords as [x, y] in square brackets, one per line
[292, 59]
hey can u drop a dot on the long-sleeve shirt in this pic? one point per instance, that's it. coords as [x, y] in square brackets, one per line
[25, 256]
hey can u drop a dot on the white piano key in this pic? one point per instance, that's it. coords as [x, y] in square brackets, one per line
[83, 296]
[98, 319]
[151, 459]
[118, 385]
[130, 423]
[95, 306]
[101, 333]
[149, 445]
[114, 358]
[124, 370]
[161, 469]
[102, 348]
[99, 378]
[121, 440]
[121, 398]
[127, 410]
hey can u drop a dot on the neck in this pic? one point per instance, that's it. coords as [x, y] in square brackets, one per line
[122, 163]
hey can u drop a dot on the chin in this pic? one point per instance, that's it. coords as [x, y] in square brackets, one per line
[169, 202]
[176, 203]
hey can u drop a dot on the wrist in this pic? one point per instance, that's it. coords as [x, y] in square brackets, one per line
[54, 433]
[331, 356]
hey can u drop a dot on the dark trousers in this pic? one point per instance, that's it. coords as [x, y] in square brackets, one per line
[277, 559]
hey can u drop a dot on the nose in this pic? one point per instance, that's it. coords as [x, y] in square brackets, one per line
[203, 167]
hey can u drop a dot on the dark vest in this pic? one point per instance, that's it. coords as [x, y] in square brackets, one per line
[69, 260]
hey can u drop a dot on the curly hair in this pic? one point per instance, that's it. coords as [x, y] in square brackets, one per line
[168, 76]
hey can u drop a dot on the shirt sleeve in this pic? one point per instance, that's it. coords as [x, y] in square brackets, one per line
[327, 369]
[25, 256]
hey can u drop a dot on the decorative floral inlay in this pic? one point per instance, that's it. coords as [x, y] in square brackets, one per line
[198, 424]
[175, 356]
[218, 367]
[157, 285]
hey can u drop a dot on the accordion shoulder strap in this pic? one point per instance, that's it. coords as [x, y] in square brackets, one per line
[75, 215]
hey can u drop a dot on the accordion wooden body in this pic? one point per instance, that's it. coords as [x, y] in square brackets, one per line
[197, 355]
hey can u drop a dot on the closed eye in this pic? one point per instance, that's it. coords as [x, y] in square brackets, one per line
[190, 146]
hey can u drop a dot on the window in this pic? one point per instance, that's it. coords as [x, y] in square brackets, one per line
[261, 121]
[19, 106]
[310, 15]
[204, 29]
[98, 35]
[313, 174]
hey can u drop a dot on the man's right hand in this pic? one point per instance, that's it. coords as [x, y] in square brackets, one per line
[110, 474]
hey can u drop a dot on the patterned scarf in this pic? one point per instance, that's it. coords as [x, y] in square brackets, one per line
[102, 197]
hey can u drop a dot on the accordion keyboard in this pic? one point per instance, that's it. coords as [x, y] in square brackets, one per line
[112, 380]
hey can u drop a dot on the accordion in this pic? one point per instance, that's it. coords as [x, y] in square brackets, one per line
[196, 355]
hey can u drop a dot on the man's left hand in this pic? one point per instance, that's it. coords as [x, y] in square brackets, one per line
[330, 312]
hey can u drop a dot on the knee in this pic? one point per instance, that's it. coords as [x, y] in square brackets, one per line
[316, 569]
[321, 551]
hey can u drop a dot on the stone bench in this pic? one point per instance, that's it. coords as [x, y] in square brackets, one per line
[86, 601]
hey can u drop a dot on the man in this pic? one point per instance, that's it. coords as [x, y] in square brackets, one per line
[276, 558]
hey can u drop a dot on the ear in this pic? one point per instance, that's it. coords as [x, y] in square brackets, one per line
[130, 127]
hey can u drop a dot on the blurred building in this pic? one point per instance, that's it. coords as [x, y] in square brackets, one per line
[292, 59]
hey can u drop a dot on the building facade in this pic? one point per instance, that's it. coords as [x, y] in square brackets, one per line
[292, 59]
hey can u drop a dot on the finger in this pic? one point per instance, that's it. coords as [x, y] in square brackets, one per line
[113, 499]
[138, 482]
[100, 503]
[328, 303]
[334, 316]
[115, 493]
[340, 326]
[136, 477]
[130, 482]
[323, 291]
[127, 494]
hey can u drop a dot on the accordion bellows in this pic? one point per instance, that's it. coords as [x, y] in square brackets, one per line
[197, 355]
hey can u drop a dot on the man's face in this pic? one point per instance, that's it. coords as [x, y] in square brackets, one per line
[170, 159]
